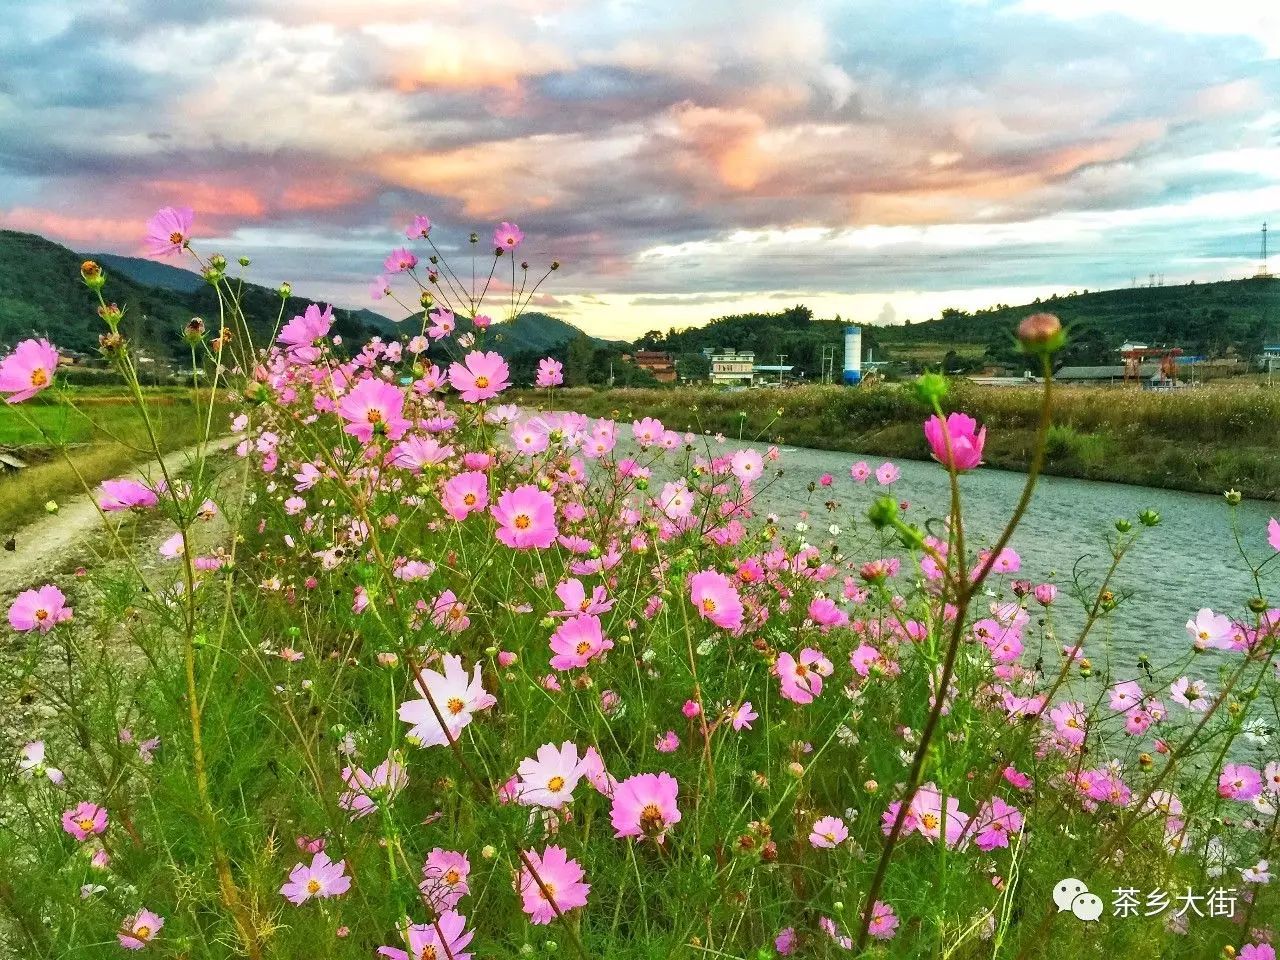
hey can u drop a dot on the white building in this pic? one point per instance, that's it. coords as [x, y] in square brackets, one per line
[732, 369]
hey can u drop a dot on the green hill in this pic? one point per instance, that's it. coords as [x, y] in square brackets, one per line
[149, 273]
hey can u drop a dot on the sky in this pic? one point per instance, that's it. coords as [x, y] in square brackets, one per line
[880, 161]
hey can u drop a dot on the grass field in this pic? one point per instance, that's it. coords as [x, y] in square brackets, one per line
[1206, 440]
[100, 437]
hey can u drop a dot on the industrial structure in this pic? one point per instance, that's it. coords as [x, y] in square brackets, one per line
[852, 355]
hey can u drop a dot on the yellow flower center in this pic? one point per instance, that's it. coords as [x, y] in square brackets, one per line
[555, 784]
[176, 237]
[651, 819]
[456, 706]
[375, 416]
[708, 605]
[523, 522]
[42, 614]
[39, 377]
[583, 647]
[469, 499]
[143, 932]
[930, 821]
[85, 824]
[313, 886]
[451, 876]
[482, 382]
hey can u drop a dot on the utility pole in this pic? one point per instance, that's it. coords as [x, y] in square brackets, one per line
[781, 358]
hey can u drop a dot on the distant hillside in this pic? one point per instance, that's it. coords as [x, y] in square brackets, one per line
[149, 273]
[531, 332]
[1207, 319]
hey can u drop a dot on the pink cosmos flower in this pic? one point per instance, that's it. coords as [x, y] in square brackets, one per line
[526, 518]
[1239, 781]
[169, 231]
[668, 742]
[716, 599]
[645, 806]
[1210, 629]
[465, 493]
[1125, 696]
[561, 885]
[926, 817]
[577, 642]
[444, 878]
[507, 236]
[323, 879]
[887, 473]
[785, 941]
[443, 323]
[966, 441]
[425, 940]
[824, 612]
[550, 373]
[126, 494]
[31, 762]
[399, 260]
[371, 407]
[379, 287]
[860, 472]
[1069, 722]
[419, 228]
[828, 833]
[299, 335]
[1045, 594]
[801, 679]
[743, 717]
[416, 453]
[140, 929]
[41, 609]
[676, 500]
[747, 466]
[1273, 533]
[482, 322]
[28, 370]
[884, 922]
[1259, 951]
[457, 696]
[365, 790]
[483, 377]
[449, 613]
[1192, 694]
[647, 432]
[995, 822]
[548, 780]
[85, 820]
[575, 599]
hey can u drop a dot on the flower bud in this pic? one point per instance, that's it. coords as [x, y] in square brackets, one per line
[111, 345]
[1258, 605]
[931, 387]
[111, 314]
[286, 290]
[427, 299]
[475, 238]
[243, 261]
[92, 275]
[555, 264]
[1123, 525]
[1149, 518]
[1232, 497]
[193, 332]
[1041, 333]
[218, 262]
[883, 512]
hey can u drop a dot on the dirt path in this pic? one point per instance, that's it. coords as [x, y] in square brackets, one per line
[51, 542]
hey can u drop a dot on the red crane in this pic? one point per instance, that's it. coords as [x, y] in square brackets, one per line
[1133, 359]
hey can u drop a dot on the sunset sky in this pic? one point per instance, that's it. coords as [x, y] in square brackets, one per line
[684, 160]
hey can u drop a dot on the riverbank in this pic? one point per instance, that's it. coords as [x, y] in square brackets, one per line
[1205, 440]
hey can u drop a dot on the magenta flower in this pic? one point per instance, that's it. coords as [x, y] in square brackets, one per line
[28, 370]
[668, 742]
[887, 473]
[419, 229]
[1045, 594]
[966, 441]
[1273, 533]
[1239, 781]
[425, 942]
[399, 260]
[323, 879]
[747, 466]
[828, 833]
[507, 236]
[465, 494]
[483, 377]
[379, 287]
[526, 518]
[139, 930]
[300, 335]
[577, 642]
[371, 407]
[801, 677]
[860, 472]
[1069, 721]
[85, 820]
[743, 717]
[1210, 629]
[549, 778]
[785, 941]
[365, 790]
[551, 374]
[443, 323]
[716, 599]
[576, 600]
[41, 609]
[169, 231]
[884, 922]
[561, 885]
[1260, 951]
[457, 696]
[126, 494]
[995, 822]
[444, 878]
[645, 806]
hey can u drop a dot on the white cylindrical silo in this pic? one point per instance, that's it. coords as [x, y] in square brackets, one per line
[852, 354]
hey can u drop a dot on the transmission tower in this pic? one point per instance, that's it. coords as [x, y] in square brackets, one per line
[1262, 268]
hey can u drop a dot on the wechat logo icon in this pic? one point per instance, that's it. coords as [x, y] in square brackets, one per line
[1071, 894]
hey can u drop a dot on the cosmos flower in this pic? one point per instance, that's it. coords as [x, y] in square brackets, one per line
[1239, 781]
[1192, 694]
[85, 820]
[465, 493]
[169, 231]
[457, 695]
[322, 878]
[482, 377]
[887, 474]
[447, 937]
[995, 822]
[507, 236]
[747, 466]
[884, 922]
[645, 806]
[444, 878]
[41, 609]
[443, 323]
[860, 472]
[1273, 533]
[576, 600]
[299, 335]
[399, 260]
[550, 373]
[526, 518]
[419, 228]
[716, 599]
[801, 677]
[828, 833]
[365, 790]
[561, 888]
[743, 717]
[28, 369]
[1210, 629]
[577, 642]
[966, 441]
[140, 929]
[31, 762]
[549, 778]
[372, 407]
